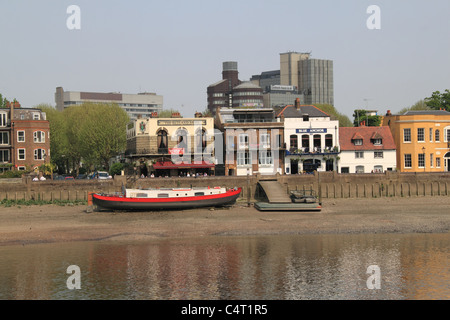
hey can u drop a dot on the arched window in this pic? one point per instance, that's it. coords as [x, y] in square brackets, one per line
[293, 139]
[182, 138]
[329, 141]
[162, 141]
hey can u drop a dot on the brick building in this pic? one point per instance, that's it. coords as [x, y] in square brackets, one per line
[24, 138]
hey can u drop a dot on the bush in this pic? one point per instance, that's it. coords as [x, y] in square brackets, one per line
[12, 174]
[116, 169]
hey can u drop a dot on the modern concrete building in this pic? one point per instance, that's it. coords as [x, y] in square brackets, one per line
[311, 138]
[422, 139]
[24, 138]
[136, 105]
[266, 79]
[278, 95]
[171, 146]
[367, 150]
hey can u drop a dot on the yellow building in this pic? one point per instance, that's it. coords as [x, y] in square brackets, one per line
[422, 139]
[171, 146]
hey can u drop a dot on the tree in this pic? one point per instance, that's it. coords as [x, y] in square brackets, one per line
[344, 121]
[439, 100]
[167, 113]
[360, 115]
[419, 105]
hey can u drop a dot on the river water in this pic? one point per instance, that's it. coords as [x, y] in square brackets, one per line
[288, 267]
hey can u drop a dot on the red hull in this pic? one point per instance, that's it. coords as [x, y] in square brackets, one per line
[123, 203]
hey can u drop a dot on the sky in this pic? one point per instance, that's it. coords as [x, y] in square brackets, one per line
[176, 48]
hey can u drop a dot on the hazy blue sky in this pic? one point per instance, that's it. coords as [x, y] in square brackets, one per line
[176, 48]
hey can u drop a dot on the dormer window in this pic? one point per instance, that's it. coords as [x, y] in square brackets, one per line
[358, 142]
[377, 142]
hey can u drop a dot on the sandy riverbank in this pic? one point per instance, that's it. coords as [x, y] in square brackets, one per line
[51, 223]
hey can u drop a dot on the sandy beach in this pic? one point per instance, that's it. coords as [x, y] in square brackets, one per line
[51, 223]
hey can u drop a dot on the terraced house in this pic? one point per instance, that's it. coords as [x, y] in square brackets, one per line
[24, 138]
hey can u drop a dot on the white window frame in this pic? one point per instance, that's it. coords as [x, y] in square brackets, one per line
[265, 158]
[358, 142]
[243, 140]
[375, 153]
[407, 135]
[244, 159]
[420, 134]
[24, 154]
[36, 116]
[4, 133]
[36, 154]
[410, 160]
[264, 140]
[359, 154]
[3, 119]
[40, 139]
[420, 159]
[21, 131]
[360, 167]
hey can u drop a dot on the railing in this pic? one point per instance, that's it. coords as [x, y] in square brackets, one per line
[314, 150]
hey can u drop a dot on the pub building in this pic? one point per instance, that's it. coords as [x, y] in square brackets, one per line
[168, 147]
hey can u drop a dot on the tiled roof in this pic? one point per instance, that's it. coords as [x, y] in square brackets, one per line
[367, 134]
[291, 111]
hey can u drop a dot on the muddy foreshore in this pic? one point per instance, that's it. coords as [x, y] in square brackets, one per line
[21, 225]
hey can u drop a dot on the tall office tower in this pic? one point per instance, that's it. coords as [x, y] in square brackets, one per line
[316, 81]
[312, 77]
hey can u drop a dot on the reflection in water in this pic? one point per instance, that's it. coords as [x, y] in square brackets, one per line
[269, 267]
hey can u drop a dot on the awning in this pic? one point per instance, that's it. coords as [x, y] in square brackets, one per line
[192, 165]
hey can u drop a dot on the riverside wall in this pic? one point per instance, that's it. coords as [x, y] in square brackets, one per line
[326, 185]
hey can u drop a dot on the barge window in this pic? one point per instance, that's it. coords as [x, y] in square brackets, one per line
[199, 194]
[163, 195]
[141, 195]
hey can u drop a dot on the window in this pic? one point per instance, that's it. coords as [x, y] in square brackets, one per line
[243, 159]
[4, 138]
[431, 134]
[265, 158]
[438, 162]
[293, 142]
[36, 116]
[407, 135]
[421, 160]
[3, 119]
[377, 142]
[437, 136]
[4, 156]
[378, 169]
[431, 160]
[39, 154]
[243, 141]
[447, 134]
[305, 141]
[329, 141]
[358, 142]
[21, 154]
[20, 136]
[39, 136]
[378, 154]
[264, 140]
[317, 140]
[359, 169]
[345, 170]
[420, 134]
[359, 154]
[408, 162]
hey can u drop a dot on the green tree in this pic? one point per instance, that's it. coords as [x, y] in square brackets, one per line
[167, 113]
[360, 115]
[344, 121]
[439, 100]
[419, 105]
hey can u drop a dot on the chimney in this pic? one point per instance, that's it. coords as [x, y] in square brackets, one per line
[388, 113]
[297, 104]
[176, 115]
[154, 114]
[198, 114]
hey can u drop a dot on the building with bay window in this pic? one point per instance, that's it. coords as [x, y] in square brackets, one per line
[24, 138]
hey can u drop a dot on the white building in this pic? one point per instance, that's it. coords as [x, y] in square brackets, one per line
[136, 105]
[367, 150]
[311, 137]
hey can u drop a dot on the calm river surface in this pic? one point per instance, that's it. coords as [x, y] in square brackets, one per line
[412, 266]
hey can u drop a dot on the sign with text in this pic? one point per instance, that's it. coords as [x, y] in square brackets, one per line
[181, 122]
[311, 130]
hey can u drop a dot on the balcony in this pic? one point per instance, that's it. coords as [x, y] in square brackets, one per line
[313, 151]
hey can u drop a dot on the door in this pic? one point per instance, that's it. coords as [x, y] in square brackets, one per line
[294, 166]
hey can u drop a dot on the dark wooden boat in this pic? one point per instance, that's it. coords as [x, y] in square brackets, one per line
[173, 198]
